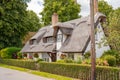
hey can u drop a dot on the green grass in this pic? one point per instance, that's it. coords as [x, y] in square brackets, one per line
[43, 74]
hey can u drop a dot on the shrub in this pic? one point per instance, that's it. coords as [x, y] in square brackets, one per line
[110, 59]
[39, 60]
[86, 61]
[19, 55]
[110, 52]
[114, 53]
[36, 55]
[101, 62]
[79, 60]
[79, 71]
[9, 53]
[87, 55]
[66, 60]
[20, 63]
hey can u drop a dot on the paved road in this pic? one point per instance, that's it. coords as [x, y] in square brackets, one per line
[9, 74]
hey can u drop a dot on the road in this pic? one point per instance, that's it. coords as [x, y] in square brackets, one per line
[10, 74]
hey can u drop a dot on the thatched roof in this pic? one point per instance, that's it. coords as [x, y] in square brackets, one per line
[77, 30]
[27, 37]
[40, 46]
[81, 35]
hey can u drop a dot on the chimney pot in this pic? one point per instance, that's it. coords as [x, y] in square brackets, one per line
[95, 6]
[54, 19]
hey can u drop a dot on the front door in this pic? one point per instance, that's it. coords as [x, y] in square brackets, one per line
[53, 56]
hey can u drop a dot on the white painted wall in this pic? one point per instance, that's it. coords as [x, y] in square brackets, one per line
[98, 37]
[40, 55]
[46, 57]
[59, 44]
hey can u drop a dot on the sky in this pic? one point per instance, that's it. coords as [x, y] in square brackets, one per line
[37, 6]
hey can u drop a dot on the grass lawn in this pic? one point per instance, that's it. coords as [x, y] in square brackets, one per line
[43, 74]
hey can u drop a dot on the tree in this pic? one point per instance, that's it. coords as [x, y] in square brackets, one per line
[114, 29]
[15, 22]
[104, 7]
[33, 21]
[66, 9]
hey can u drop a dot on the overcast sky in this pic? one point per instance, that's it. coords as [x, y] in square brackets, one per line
[37, 5]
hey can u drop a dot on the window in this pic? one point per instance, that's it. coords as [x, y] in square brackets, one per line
[33, 41]
[50, 39]
[59, 38]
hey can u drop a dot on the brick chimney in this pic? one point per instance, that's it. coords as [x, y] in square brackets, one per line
[95, 6]
[54, 19]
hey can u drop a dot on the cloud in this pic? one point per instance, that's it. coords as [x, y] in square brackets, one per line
[36, 6]
[114, 3]
[85, 9]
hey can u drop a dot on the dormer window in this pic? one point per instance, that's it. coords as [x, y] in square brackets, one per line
[48, 40]
[33, 42]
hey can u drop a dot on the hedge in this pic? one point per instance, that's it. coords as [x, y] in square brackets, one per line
[81, 72]
[19, 63]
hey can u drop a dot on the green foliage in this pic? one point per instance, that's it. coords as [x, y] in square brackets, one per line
[33, 21]
[20, 63]
[8, 52]
[19, 55]
[110, 59]
[79, 60]
[110, 52]
[101, 62]
[114, 53]
[66, 60]
[36, 55]
[15, 22]
[81, 72]
[114, 30]
[66, 9]
[38, 60]
[87, 55]
[104, 7]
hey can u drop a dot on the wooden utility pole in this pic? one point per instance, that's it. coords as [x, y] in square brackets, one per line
[93, 55]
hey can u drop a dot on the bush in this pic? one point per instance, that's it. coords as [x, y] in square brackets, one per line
[19, 55]
[20, 63]
[36, 55]
[87, 55]
[110, 52]
[110, 59]
[9, 53]
[86, 61]
[81, 72]
[114, 53]
[101, 62]
[66, 60]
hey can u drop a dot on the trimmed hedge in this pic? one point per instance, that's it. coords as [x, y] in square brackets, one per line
[19, 63]
[82, 72]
